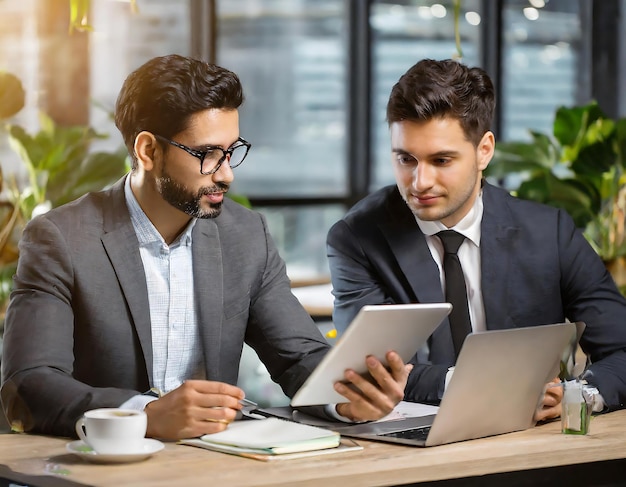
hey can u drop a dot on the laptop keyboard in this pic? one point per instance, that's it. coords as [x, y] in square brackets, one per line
[412, 434]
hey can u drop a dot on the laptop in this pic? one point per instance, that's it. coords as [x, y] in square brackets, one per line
[375, 330]
[496, 387]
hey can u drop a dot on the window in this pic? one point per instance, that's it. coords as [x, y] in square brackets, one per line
[300, 61]
[405, 31]
[540, 64]
[76, 78]
[122, 41]
[290, 57]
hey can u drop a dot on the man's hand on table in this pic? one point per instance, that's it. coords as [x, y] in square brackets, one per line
[195, 408]
[551, 402]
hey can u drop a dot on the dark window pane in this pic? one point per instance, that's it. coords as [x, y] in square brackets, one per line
[405, 31]
[541, 51]
[290, 57]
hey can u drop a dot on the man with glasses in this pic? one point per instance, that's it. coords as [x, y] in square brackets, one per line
[142, 295]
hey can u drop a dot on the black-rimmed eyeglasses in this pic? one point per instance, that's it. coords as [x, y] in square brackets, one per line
[212, 157]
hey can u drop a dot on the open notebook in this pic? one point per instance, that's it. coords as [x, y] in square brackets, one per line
[273, 438]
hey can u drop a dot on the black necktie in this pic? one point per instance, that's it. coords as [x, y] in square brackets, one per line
[456, 294]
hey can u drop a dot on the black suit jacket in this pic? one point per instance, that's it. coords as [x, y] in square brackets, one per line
[537, 268]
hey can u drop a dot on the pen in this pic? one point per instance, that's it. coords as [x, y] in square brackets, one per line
[250, 409]
[244, 402]
[248, 402]
[562, 383]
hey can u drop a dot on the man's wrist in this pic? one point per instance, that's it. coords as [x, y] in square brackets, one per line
[139, 402]
[599, 406]
[333, 410]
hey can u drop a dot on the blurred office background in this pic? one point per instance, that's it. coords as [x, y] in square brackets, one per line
[317, 74]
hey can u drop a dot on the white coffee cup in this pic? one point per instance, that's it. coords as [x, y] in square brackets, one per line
[113, 430]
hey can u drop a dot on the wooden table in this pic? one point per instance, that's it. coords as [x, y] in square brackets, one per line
[539, 456]
[316, 299]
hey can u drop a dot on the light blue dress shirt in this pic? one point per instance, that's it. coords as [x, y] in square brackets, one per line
[176, 346]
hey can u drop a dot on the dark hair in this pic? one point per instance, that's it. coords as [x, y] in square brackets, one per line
[162, 94]
[436, 89]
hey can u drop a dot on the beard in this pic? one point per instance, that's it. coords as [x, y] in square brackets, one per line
[180, 196]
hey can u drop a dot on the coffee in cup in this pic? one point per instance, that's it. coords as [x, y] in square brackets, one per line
[113, 430]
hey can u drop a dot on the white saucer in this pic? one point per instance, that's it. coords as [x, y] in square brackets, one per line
[80, 448]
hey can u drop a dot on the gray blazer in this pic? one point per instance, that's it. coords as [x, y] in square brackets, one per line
[536, 268]
[77, 331]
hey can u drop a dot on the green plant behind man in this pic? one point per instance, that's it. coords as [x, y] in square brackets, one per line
[60, 167]
[579, 167]
[59, 164]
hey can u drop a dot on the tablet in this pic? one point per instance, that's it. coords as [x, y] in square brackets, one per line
[374, 331]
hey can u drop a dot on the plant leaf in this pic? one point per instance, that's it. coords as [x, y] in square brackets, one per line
[94, 173]
[12, 95]
[571, 123]
[567, 194]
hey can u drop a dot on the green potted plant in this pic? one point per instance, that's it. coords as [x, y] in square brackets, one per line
[578, 167]
[60, 168]
[12, 99]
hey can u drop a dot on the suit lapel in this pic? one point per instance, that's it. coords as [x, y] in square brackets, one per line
[120, 243]
[209, 292]
[410, 249]
[497, 242]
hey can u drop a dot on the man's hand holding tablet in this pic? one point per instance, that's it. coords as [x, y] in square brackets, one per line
[371, 401]
[368, 364]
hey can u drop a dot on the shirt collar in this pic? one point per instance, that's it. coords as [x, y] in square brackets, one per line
[469, 226]
[145, 230]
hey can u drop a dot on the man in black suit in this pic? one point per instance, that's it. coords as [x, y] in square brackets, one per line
[524, 264]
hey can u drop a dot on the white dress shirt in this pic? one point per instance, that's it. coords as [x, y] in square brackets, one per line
[469, 255]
